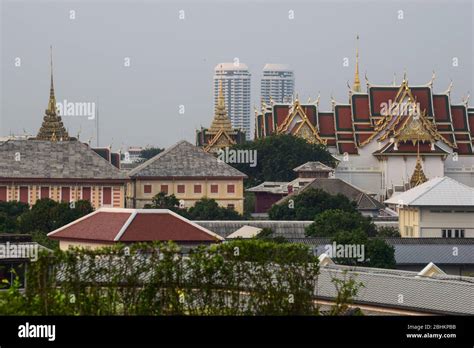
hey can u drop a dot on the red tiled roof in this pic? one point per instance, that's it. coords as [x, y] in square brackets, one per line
[134, 225]
[95, 226]
[163, 227]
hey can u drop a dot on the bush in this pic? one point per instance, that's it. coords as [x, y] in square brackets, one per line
[308, 204]
[238, 278]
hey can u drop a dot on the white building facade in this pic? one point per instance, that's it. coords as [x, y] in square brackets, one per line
[277, 83]
[235, 79]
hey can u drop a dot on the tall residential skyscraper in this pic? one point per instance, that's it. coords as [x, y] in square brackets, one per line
[236, 88]
[278, 82]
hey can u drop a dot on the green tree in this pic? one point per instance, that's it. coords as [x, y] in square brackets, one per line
[9, 215]
[164, 201]
[208, 209]
[150, 152]
[277, 155]
[268, 234]
[388, 231]
[332, 221]
[47, 215]
[381, 255]
[308, 204]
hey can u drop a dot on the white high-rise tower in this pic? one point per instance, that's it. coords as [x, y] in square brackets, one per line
[278, 82]
[236, 88]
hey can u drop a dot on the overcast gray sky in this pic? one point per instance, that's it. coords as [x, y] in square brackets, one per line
[172, 60]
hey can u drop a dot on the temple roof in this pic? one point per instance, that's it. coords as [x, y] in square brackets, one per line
[221, 121]
[52, 128]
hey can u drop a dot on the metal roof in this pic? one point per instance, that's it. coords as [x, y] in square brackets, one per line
[441, 191]
[441, 294]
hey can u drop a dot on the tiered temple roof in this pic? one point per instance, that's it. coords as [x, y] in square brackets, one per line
[349, 127]
[52, 128]
[220, 134]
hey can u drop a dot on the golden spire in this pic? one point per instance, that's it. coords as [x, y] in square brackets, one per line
[52, 98]
[52, 128]
[220, 97]
[418, 177]
[221, 120]
[356, 85]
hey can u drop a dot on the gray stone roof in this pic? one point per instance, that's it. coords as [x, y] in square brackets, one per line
[288, 229]
[402, 289]
[314, 166]
[415, 251]
[185, 160]
[53, 160]
[335, 186]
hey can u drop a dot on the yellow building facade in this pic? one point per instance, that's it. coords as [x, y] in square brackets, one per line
[189, 173]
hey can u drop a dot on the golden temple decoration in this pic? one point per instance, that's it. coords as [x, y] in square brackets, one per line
[52, 127]
[418, 177]
[220, 121]
[305, 129]
[407, 127]
[356, 85]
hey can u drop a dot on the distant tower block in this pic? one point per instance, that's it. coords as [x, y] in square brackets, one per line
[235, 78]
[277, 84]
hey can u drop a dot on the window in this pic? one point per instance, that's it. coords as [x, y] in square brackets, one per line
[231, 206]
[456, 233]
[449, 234]
[65, 194]
[86, 193]
[147, 188]
[230, 188]
[106, 196]
[462, 233]
[197, 188]
[44, 193]
[164, 189]
[443, 233]
[3, 193]
[181, 189]
[214, 188]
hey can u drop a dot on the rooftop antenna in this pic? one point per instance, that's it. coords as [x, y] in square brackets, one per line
[97, 121]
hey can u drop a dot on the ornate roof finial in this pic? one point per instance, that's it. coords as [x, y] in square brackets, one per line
[450, 87]
[418, 177]
[366, 79]
[465, 100]
[220, 97]
[52, 98]
[433, 76]
[405, 75]
[356, 85]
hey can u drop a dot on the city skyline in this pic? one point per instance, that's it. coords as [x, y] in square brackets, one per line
[141, 104]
